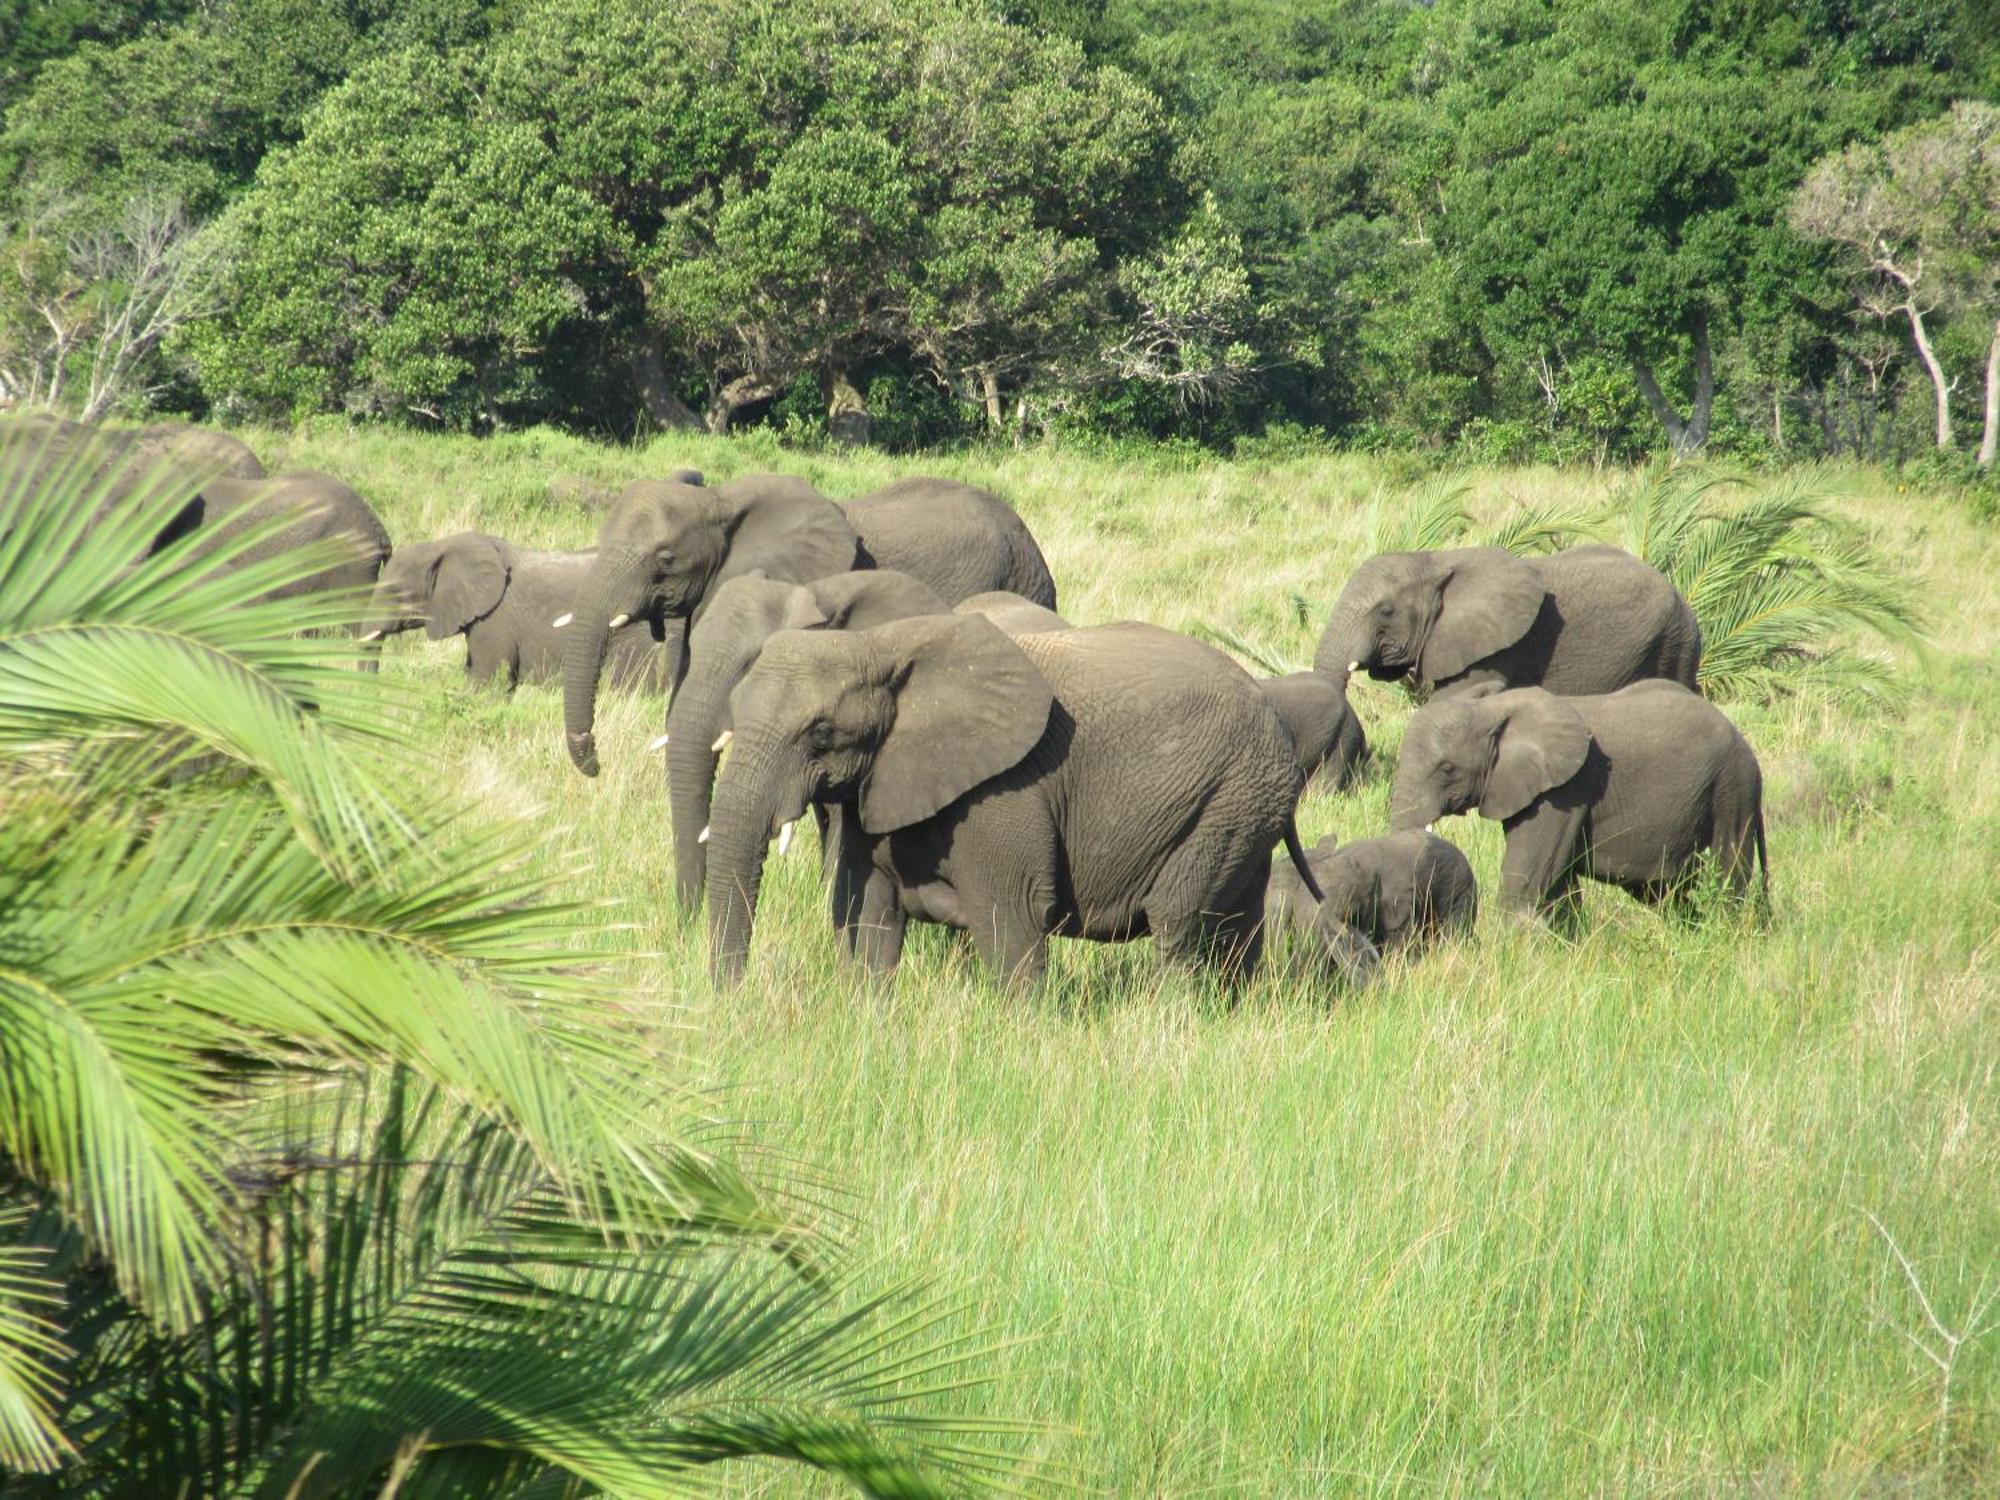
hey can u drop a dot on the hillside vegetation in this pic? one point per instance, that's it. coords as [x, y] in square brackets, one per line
[1657, 1211]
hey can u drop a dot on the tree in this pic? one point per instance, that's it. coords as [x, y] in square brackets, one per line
[1916, 218]
[329, 1160]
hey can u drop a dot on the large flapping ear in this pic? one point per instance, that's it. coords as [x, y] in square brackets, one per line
[863, 600]
[1542, 742]
[467, 579]
[969, 704]
[787, 528]
[1490, 600]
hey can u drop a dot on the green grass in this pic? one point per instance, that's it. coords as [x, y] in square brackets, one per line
[1530, 1217]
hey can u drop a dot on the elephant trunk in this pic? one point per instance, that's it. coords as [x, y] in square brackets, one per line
[612, 586]
[748, 802]
[1344, 644]
[694, 723]
[1409, 807]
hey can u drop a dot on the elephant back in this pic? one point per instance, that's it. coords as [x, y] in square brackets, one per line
[1620, 621]
[958, 538]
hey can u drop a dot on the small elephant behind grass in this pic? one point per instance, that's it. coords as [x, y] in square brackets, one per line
[511, 605]
[1631, 788]
[1401, 892]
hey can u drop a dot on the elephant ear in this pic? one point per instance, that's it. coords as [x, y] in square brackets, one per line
[787, 528]
[969, 704]
[864, 600]
[803, 611]
[466, 582]
[1542, 743]
[1490, 600]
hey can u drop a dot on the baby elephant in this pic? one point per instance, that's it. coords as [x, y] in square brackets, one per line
[509, 603]
[1626, 787]
[1401, 891]
[1325, 732]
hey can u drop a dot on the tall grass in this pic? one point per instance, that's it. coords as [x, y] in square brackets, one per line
[1532, 1216]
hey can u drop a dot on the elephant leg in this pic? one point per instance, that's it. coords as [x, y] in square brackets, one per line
[1011, 941]
[1541, 858]
[878, 932]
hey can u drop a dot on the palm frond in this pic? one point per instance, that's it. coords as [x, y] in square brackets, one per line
[1266, 659]
[1547, 527]
[1778, 584]
[32, 1353]
[1430, 515]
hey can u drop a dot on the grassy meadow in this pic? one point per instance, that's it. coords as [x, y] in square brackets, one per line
[1531, 1216]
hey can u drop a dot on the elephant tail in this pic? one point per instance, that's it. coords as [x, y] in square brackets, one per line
[1298, 854]
[1763, 860]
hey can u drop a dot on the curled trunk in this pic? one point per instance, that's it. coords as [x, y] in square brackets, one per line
[608, 582]
[1343, 641]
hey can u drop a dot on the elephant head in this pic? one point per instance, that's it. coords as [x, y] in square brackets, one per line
[443, 586]
[722, 647]
[900, 721]
[1495, 752]
[662, 550]
[1429, 615]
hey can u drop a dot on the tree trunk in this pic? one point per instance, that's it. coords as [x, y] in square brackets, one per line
[1689, 435]
[744, 390]
[996, 417]
[1938, 382]
[847, 420]
[649, 372]
[1989, 438]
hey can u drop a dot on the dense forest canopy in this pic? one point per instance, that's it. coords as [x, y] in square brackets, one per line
[1519, 227]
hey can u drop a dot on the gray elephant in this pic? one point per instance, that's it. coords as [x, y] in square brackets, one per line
[666, 546]
[723, 645]
[1326, 734]
[1103, 783]
[289, 512]
[1013, 614]
[1626, 787]
[510, 603]
[1586, 620]
[1400, 892]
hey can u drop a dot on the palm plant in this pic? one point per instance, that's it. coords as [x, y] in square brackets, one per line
[1778, 584]
[330, 1162]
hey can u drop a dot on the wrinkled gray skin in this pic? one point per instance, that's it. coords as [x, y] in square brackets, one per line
[505, 601]
[1103, 783]
[959, 539]
[1400, 892]
[1326, 735]
[1013, 614]
[315, 508]
[1586, 620]
[1626, 787]
[666, 546]
[724, 644]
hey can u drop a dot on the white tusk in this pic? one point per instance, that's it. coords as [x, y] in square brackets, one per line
[702, 837]
[722, 741]
[618, 620]
[658, 744]
[561, 620]
[1351, 666]
[371, 635]
[1430, 828]
[785, 837]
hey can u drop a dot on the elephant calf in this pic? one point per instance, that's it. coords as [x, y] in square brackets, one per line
[1587, 620]
[1326, 734]
[506, 602]
[1105, 783]
[1400, 892]
[1626, 787]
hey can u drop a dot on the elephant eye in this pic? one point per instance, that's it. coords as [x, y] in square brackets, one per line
[1446, 768]
[1385, 609]
[664, 554]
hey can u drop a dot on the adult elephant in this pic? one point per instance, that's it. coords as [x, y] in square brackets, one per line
[1103, 783]
[1587, 620]
[509, 603]
[1626, 787]
[722, 647]
[1012, 613]
[665, 546]
[257, 519]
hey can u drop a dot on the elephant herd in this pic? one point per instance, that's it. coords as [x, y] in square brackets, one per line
[895, 666]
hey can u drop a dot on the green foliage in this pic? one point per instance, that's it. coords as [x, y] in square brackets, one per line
[1777, 584]
[339, 1100]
